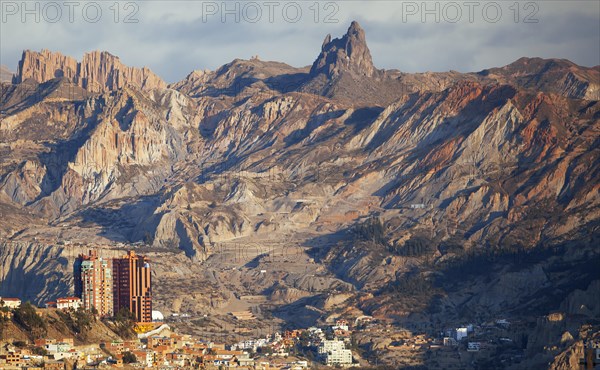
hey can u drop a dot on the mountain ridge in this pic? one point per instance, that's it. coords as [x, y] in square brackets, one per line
[343, 70]
[263, 166]
[98, 71]
[210, 100]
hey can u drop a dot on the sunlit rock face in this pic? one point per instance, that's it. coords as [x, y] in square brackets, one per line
[97, 71]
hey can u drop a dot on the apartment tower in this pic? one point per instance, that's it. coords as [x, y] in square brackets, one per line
[132, 286]
[94, 283]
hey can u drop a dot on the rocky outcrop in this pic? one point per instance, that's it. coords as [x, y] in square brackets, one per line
[570, 358]
[559, 76]
[349, 53]
[97, 72]
[45, 65]
[579, 352]
[101, 71]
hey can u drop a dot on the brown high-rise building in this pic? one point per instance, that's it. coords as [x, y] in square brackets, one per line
[94, 284]
[133, 286]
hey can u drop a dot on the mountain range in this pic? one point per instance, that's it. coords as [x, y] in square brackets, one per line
[342, 180]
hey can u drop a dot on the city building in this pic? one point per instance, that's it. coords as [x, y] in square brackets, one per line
[335, 353]
[339, 357]
[95, 283]
[10, 302]
[340, 325]
[461, 333]
[473, 346]
[12, 359]
[58, 347]
[132, 286]
[144, 357]
[449, 341]
[330, 346]
[68, 302]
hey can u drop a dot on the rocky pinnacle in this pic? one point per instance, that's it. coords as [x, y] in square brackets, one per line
[349, 53]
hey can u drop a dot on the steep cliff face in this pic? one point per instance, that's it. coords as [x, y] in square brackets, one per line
[35, 271]
[128, 134]
[102, 71]
[349, 53]
[45, 65]
[97, 72]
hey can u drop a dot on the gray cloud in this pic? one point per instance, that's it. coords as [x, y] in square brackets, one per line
[173, 38]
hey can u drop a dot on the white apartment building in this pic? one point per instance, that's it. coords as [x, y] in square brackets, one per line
[11, 302]
[335, 352]
[68, 302]
[339, 357]
[330, 346]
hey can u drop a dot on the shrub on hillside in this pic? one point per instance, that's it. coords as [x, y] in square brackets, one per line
[27, 317]
[78, 321]
[370, 230]
[124, 324]
[129, 358]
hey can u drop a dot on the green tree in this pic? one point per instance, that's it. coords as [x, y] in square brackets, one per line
[83, 320]
[41, 351]
[124, 323]
[79, 321]
[129, 358]
[27, 317]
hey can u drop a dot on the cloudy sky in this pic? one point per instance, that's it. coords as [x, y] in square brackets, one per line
[174, 38]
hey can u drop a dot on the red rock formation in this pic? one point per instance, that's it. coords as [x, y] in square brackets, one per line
[97, 72]
[45, 65]
[103, 71]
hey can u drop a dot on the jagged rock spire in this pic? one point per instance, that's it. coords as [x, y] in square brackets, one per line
[349, 53]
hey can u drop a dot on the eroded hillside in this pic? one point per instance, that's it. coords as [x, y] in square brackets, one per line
[260, 166]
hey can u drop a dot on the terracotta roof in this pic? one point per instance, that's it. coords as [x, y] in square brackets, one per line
[68, 299]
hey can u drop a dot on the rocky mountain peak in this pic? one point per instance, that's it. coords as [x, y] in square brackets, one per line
[558, 76]
[349, 53]
[99, 71]
[45, 65]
